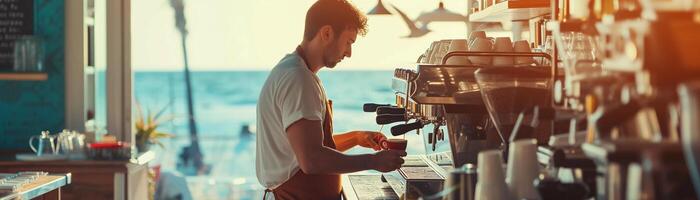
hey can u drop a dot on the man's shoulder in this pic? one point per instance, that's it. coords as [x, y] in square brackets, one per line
[291, 62]
[291, 67]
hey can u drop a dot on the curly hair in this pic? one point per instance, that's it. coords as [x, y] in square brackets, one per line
[339, 14]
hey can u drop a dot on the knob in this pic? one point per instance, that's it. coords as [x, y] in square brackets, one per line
[372, 107]
[388, 119]
[403, 128]
[390, 110]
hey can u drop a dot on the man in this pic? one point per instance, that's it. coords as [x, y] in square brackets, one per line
[298, 156]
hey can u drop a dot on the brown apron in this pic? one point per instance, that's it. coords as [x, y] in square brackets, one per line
[314, 186]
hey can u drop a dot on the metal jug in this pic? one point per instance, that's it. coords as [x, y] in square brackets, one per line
[70, 142]
[46, 144]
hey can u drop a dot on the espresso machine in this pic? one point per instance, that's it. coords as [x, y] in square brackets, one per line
[627, 95]
[444, 104]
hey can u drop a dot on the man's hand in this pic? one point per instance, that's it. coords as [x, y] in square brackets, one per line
[369, 139]
[306, 138]
[387, 160]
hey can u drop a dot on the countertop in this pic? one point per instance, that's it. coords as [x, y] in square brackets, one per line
[141, 159]
[360, 186]
[43, 185]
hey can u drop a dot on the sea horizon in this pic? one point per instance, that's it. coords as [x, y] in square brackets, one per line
[135, 70]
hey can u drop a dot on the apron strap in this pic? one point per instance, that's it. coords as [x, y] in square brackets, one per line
[267, 191]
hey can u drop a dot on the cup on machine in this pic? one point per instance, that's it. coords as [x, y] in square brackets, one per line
[458, 45]
[481, 45]
[522, 46]
[502, 44]
[429, 53]
[440, 51]
[476, 34]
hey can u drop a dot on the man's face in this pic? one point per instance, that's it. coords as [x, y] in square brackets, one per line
[339, 47]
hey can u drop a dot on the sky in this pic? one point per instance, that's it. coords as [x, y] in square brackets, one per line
[255, 34]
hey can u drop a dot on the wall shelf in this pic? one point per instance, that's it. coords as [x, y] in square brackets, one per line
[23, 76]
[512, 10]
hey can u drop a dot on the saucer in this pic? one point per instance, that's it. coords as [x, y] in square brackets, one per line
[34, 157]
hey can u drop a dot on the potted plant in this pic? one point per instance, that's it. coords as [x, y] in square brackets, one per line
[147, 132]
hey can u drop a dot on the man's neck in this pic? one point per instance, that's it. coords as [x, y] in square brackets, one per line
[312, 55]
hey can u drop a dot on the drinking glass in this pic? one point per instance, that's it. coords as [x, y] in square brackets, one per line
[28, 54]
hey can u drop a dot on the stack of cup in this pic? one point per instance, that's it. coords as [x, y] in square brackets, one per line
[491, 183]
[443, 48]
[503, 45]
[458, 45]
[522, 46]
[476, 34]
[523, 169]
[479, 42]
[431, 50]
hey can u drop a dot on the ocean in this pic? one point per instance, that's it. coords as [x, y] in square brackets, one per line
[225, 101]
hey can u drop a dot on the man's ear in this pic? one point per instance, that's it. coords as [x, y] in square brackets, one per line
[327, 33]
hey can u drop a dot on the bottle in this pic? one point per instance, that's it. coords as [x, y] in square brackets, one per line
[603, 8]
[578, 9]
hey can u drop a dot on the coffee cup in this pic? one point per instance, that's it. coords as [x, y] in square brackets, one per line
[476, 34]
[522, 46]
[442, 49]
[503, 44]
[457, 45]
[481, 45]
[395, 144]
[431, 50]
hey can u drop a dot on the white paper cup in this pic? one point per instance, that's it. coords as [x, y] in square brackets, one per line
[484, 45]
[523, 169]
[503, 44]
[522, 46]
[491, 183]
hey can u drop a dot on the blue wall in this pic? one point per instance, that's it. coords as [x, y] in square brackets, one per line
[28, 107]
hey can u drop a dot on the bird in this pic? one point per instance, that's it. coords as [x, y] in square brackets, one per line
[415, 31]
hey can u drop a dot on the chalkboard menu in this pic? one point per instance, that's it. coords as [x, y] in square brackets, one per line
[16, 19]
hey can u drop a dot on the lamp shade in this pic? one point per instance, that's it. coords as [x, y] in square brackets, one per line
[379, 9]
[441, 14]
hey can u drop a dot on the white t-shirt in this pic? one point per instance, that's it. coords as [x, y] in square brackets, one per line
[291, 92]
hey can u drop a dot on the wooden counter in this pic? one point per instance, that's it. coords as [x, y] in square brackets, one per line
[45, 187]
[358, 186]
[92, 179]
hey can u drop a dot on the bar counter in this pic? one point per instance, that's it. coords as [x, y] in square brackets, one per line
[93, 179]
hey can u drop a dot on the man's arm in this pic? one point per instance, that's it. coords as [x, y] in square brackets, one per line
[306, 138]
[344, 141]
[368, 139]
